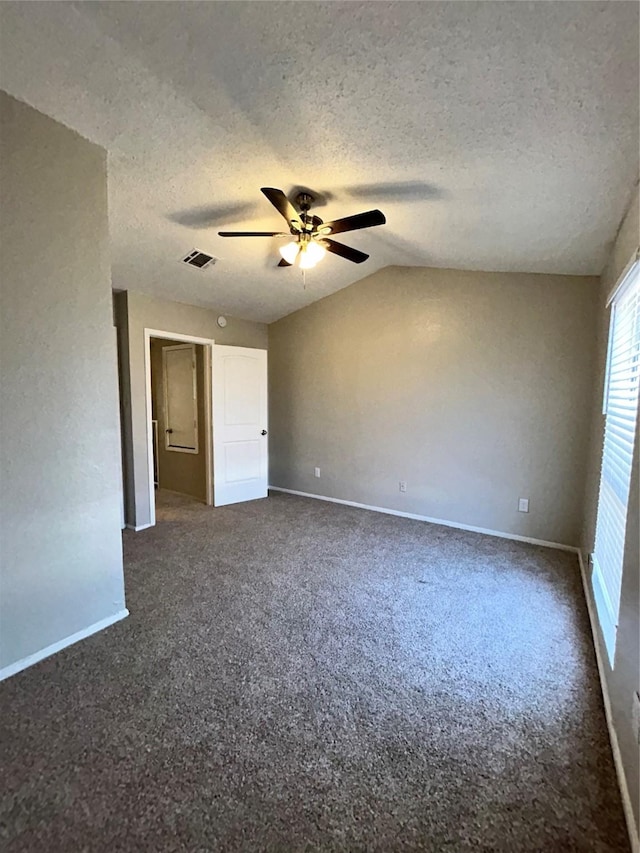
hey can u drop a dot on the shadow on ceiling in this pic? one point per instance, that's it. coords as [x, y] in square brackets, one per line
[401, 191]
[396, 191]
[208, 216]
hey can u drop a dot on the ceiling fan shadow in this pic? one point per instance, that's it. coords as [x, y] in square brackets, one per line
[405, 191]
[319, 199]
[208, 216]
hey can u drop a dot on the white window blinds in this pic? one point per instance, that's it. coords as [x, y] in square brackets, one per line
[620, 408]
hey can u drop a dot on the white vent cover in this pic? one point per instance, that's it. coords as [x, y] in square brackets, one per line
[199, 260]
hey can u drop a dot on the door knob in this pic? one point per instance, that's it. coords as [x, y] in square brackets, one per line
[264, 432]
[169, 430]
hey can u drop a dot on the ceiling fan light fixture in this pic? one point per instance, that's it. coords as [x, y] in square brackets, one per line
[306, 261]
[313, 253]
[290, 251]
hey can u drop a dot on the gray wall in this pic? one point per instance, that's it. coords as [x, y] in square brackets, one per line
[624, 678]
[472, 387]
[59, 456]
[179, 472]
[135, 312]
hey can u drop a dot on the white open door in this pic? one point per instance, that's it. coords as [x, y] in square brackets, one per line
[240, 445]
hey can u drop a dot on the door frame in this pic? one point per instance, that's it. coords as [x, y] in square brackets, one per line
[208, 344]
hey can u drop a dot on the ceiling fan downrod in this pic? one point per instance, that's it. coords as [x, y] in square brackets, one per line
[304, 201]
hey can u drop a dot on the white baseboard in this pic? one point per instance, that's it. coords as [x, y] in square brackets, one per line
[18, 666]
[139, 527]
[615, 748]
[416, 517]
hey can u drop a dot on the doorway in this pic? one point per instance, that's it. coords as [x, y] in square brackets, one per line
[236, 442]
[181, 429]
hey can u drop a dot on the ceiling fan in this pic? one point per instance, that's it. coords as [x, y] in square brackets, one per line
[311, 235]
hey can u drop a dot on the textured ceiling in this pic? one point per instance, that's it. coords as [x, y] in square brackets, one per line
[494, 136]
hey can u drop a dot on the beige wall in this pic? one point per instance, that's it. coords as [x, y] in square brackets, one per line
[624, 678]
[472, 387]
[135, 312]
[179, 472]
[61, 570]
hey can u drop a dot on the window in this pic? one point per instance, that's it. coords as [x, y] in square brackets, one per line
[620, 409]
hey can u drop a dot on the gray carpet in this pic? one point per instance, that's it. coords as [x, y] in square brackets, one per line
[300, 676]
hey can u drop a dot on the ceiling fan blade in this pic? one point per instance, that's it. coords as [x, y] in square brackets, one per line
[252, 234]
[284, 263]
[284, 207]
[353, 223]
[344, 251]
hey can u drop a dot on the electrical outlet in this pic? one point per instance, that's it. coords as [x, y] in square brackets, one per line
[316, 472]
[523, 505]
[403, 485]
[635, 716]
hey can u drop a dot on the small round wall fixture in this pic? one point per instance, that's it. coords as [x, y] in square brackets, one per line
[222, 321]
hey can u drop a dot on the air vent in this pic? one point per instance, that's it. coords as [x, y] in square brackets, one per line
[199, 260]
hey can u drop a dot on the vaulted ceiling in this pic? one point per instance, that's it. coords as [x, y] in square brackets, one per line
[494, 136]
